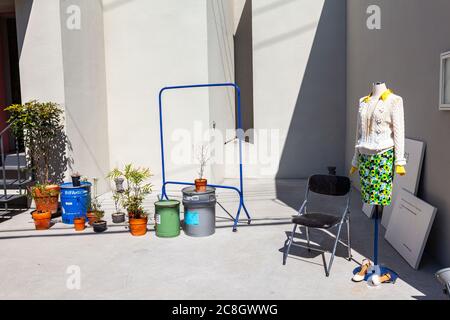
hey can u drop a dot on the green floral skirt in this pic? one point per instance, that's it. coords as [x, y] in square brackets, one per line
[376, 173]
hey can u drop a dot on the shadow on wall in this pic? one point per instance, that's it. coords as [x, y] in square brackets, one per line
[316, 135]
[243, 68]
[23, 13]
[59, 160]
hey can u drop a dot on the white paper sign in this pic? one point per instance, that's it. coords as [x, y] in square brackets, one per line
[410, 226]
[414, 152]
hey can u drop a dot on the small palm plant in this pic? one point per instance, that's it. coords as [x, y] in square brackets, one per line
[135, 190]
[96, 208]
[117, 195]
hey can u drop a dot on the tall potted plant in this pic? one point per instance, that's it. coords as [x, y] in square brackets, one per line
[94, 211]
[135, 190]
[117, 195]
[40, 126]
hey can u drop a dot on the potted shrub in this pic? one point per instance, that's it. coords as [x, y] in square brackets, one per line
[46, 197]
[135, 190]
[76, 179]
[41, 127]
[118, 216]
[115, 175]
[42, 219]
[79, 223]
[203, 158]
[94, 207]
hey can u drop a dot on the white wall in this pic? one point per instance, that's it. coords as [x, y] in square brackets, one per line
[40, 49]
[299, 88]
[220, 70]
[67, 67]
[85, 90]
[149, 45]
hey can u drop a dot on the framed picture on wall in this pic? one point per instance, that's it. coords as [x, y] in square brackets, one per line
[444, 93]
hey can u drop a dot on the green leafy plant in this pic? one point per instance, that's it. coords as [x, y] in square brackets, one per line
[136, 188]
[41, 188]
[41, 127]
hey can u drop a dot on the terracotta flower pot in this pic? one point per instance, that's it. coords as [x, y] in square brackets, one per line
[138, 227]
[79, 224]
[91, 218]
[200, 185]
[47, 200]
[42, 219]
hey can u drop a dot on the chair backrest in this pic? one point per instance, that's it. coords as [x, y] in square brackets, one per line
[329, 185]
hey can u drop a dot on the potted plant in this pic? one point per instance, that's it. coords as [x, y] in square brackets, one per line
[42, 219]
[99, 224]
[41, 127]
[135, 190]
[118, 216]
[203, 158]
[115, 175]
[46, 197]
[94, 207]
[79, 223]
[76, 179]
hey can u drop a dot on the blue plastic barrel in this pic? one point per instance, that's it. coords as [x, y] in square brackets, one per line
[74, 201]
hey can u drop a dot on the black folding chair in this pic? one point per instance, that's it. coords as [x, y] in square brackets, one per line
[329, 185]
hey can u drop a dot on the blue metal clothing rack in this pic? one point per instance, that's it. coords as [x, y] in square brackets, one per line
[239, 190]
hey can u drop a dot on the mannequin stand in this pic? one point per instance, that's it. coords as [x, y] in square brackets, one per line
[378, 269]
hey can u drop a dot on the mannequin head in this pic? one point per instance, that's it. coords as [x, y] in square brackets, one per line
[378, 88]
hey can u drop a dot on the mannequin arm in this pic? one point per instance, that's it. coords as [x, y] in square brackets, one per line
[400, 170]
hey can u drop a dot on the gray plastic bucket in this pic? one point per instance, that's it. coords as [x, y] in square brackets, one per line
[199, 212]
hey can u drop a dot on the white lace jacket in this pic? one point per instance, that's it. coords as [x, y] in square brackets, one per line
[380, 127]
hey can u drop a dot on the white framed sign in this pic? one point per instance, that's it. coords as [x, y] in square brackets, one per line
[410, 226]
[444, 83]
[414, 153]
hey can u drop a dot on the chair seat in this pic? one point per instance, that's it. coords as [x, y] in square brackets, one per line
[317, 220]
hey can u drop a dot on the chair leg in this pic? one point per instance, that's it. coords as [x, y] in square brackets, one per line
[330, 264]
[288, 247]
[307, 239]
[349, 242]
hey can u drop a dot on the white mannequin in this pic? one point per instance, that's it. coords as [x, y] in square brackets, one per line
[378, 88]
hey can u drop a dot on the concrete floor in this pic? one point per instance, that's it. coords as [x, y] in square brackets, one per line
[227, 265]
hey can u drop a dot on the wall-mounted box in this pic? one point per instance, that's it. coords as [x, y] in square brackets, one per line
[444, 93]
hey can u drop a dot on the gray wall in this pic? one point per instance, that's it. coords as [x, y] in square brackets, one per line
[298, 87]
[315, 137]
[405, 54]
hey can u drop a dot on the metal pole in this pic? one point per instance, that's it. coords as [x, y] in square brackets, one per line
[19, 178]
[4, 172]
[375, 242]
[161, 133]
